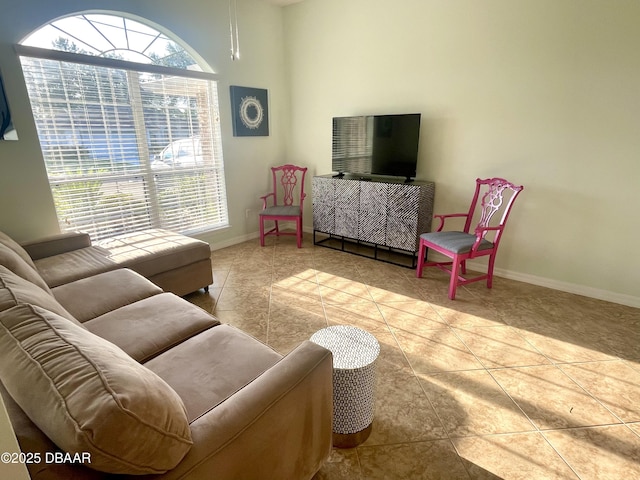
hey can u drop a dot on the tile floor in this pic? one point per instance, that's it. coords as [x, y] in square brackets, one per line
[517, 382]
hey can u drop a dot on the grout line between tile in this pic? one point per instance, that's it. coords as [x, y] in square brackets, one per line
[316, 261]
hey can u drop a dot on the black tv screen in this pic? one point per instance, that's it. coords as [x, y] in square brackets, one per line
[376, 145]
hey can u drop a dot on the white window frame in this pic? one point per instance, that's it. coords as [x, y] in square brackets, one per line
[215, 216]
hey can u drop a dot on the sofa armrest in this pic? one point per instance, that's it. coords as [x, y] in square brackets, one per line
[56, 244]
[33, 442]
[278, 426]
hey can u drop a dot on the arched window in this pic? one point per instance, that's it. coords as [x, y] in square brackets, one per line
[128, 125]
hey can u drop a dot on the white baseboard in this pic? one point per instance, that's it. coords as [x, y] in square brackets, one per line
[583, 290]
[234, 241]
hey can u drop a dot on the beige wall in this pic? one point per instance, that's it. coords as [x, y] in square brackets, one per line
[545, 93]
[542, 92]
[27, 207]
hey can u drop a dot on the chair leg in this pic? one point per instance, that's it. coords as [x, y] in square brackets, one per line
[490, 270]
[261, 232]
[299, 231]
[420, 266]
[277, 230]
[453, 282]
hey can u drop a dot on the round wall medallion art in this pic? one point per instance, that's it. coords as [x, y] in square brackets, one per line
[250, 111]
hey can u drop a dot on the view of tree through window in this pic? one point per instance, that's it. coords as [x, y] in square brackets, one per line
[126, 146]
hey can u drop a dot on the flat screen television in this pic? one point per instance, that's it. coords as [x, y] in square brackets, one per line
[376, 145]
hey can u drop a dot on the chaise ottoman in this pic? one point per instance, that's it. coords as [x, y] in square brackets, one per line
[176, 263]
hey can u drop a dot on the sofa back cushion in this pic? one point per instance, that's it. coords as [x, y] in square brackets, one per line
[9, 242]
[15, 290]
[18, 265]
[87, 395]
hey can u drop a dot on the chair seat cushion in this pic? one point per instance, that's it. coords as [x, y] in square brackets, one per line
[281, 211]
[87, 395]
[456, 242]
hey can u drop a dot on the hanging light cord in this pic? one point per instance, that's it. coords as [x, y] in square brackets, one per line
[233, 31]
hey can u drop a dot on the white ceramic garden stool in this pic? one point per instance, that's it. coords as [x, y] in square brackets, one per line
[354, 378]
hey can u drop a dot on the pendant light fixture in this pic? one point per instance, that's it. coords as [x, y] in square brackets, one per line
[233, 30]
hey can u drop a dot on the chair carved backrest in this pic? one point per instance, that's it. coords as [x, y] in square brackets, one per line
[495, 191]
[291, 177]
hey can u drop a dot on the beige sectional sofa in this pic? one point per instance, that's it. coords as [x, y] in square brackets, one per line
[174, 262]
[135, 382]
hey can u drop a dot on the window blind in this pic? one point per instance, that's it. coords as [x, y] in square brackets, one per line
[128, 148]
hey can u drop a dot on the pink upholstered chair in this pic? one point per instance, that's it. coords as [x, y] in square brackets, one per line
[496, 196]
[288, 184]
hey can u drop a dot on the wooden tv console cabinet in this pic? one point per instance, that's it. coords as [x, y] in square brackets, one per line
[385, 215]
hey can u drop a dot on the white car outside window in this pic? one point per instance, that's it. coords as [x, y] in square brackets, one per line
[183, 153]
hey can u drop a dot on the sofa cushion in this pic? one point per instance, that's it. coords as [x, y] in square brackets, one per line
[15, 290]
[71, 266]
[14, 262]
[87, 395]
[9, 242]
[208, 368]
[155, 251]
[148, 327]
[91, 297]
